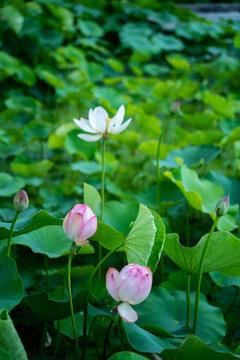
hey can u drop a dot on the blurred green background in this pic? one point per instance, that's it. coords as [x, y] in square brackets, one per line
[59, 58]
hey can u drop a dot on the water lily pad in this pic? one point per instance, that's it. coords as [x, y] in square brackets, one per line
[191, 155]
[159, 241]
[143, 341]
[9, 339]
[223, 281]
[11, 285]
[10, 185]
[223, 253]
[139, 242]
[195, 349]
[201, 194]
[49, 240]
[38, 220]
[49, 310]
[172, 316]
[127, 355]
[91, 197]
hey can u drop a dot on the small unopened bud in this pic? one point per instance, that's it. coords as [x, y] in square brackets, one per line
[222, 206]
[20, 201]
[175, 107]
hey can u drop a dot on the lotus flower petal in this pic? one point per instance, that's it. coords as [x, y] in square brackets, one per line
[111, 279]
[85, 125]
[123, 126]
[90, 138]
[97, 118]
[89, 228]
[127, 313]
[116, 120]
[80, 224]
[134, 283]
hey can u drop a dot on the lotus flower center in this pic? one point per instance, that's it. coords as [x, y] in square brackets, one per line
[107, 120]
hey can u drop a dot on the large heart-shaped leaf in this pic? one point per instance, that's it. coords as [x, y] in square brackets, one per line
[139, 242]
[169, 311]
[120, 215]
[159, 241]
[91, 197]
[142, 340]
[49, 310]
[127, 355]
[222, 280]
[49, 240]
[108, 237]
[201, 194]
[66, 327]
[10, 185]
[11, 285]
[4, 355]
[230, 186]
[9, 339]
[195, 349]
[177, 280]
[191, 155]
[38, 220]
[223, 253]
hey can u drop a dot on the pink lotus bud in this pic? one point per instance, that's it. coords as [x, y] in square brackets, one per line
[175, 107]
[131, 286]
[222, 206]
[20, 201]
[80, 224]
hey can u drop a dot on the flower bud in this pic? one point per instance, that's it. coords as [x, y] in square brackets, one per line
[175, 107]
[80, 224]
[222, 206]
[131, 286]
[20, 201]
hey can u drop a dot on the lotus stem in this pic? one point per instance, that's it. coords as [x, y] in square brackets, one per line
[200, 274]
[106, 339]
[8, 253]
[87, 299]
[188, 299]
[47, 272]
[70, 300]
[102, 196]
[59, 321]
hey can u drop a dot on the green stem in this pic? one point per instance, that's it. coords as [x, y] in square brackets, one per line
[70, 300]
[99, 257]
[189, 215]
[233, 302]
[200, 275]
[119, 328]
[188, 298]
[158, 169]
[162, 137]
[47, 273]
[106, 339]
[92, 326]
[59, 321]
[10, 234]
[87, 299]
[103, 176]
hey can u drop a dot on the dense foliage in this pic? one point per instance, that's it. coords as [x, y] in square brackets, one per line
[58, 59]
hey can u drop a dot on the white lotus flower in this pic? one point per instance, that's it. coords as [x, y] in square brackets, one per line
[99, 123]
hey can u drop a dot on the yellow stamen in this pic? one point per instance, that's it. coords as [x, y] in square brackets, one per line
[107, 120]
